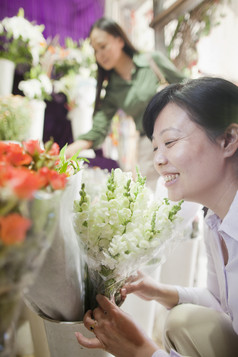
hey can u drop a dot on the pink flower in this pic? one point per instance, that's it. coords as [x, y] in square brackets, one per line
[32, 147]
[55, 150]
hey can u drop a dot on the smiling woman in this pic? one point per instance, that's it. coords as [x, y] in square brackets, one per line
[194, 129]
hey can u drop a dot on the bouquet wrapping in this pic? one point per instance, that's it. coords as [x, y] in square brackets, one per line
[120, 228]
[32, 179]
[58, 290]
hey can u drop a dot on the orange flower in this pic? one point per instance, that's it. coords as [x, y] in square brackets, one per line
[13, 228]
[56, 180]
[51, 49]
[43, 175]
[3, 148]
[24, 182]
[32, 147]
[16, 156]
[5, 173]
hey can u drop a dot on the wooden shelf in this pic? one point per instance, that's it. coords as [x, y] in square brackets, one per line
[178, 8]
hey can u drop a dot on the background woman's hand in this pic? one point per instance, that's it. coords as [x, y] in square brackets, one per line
[76, 146]
[115, 331]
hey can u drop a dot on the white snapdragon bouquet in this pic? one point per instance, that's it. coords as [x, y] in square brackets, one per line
[119, 230]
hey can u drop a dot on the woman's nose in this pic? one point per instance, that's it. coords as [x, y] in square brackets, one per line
[159, 158]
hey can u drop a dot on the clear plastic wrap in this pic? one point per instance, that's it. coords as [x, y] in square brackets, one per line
[120, 228]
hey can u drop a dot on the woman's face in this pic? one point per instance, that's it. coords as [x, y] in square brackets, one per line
[190, 163]
[108, 49]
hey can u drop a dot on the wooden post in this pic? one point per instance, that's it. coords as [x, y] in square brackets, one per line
[159, 30]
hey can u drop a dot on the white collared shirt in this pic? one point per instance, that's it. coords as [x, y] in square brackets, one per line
[222, 280]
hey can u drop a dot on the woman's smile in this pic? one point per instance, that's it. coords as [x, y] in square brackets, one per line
[169, 179]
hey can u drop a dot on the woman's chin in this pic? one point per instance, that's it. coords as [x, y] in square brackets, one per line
[175, 196]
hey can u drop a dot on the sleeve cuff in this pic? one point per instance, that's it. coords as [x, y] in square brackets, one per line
[161, 353]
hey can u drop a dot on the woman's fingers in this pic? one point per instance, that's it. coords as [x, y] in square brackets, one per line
[89, 322]
[88, 342]
[105, 304]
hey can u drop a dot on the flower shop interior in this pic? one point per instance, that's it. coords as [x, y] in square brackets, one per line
[47, 90]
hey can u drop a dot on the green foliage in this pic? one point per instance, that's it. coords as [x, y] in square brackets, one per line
[15, 117]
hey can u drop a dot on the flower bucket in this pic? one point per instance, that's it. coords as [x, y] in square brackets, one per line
[81, 115]
[81, 119]
[37, 119]
[7, 70]
[62, 341]
[58, 337]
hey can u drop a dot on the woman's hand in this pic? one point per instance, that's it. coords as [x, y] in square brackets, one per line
[149, 289]
[115, 331]
[76, 146]
[141, 285]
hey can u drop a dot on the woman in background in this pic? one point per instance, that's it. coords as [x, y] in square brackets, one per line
[194, 132]
[129, 82]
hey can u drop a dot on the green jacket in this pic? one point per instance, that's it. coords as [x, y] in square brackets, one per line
[130, 96]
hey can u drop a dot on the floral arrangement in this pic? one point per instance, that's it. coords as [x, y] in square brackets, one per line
[32, 179]
[26, 169]
[15, 117]
[37, 84]
[74, 83]
[61, 70]
[20, 40]
[119, 230]
[76, 57]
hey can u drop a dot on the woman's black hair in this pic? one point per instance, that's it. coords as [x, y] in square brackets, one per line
[111, 27]
[210, 102]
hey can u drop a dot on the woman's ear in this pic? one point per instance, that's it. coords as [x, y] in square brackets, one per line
[121, 41]
[230, 140]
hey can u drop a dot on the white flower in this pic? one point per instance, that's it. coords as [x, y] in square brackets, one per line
[46, 83]
[36, 88]
[31, 88]
[76, 88]
[21, 29]
[124, 227]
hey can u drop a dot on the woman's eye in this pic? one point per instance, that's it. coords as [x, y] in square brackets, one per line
[169, 142]
[154, 149]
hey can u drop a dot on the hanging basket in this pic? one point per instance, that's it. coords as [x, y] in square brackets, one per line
[7, 70]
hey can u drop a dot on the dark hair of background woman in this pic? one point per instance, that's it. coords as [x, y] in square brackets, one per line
[111, 27]
[210, 102]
